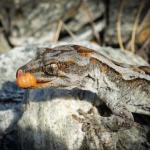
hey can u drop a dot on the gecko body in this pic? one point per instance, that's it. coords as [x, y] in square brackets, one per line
[116, 84]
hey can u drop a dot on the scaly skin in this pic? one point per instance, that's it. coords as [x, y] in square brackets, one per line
[75, 66]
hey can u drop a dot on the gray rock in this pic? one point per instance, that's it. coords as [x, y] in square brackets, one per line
[42, 118]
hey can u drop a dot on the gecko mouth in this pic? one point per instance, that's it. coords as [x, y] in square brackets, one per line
[28, 80]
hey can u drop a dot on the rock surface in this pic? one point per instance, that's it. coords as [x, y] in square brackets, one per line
[42, 118]
[38, 21]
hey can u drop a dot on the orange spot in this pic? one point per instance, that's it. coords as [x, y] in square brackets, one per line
[94, 61]
[26, 80]
[85, 54]
[83, 51]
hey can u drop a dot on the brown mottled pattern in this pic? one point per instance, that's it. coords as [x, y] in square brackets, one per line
[64, 65]
[86, 52]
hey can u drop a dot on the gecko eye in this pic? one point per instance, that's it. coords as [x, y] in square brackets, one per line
[51, 69]
[54, 66]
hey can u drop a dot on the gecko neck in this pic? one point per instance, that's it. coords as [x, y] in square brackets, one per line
[91, 81]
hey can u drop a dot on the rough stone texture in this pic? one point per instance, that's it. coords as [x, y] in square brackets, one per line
[133, 139]
[37, 21]
[48, 124]
[42, 119]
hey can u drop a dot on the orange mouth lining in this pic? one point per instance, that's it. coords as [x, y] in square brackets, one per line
[24, 83]
[41, 85]
[28, 80]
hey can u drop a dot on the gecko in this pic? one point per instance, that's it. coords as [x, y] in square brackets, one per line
[77, 66]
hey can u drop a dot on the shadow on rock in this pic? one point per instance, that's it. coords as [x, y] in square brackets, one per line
[48, 94]
[11, 93]
[30, 139]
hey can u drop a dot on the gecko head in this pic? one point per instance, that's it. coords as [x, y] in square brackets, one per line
[62, 66]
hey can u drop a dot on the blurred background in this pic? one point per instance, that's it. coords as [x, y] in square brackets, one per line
[121, 24]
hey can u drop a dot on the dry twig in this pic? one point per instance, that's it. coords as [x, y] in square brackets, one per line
[57, 34]
[119, 25]
[136, 26]
[69, 31]
[91, 18]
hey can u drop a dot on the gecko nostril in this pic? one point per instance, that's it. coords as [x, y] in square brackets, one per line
[19, 73]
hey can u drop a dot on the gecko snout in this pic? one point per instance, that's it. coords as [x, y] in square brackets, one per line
[25, 79]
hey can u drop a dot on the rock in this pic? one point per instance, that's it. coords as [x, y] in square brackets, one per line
[134, 139]
[47, 122]
[42, 118]
[4, 46]
[38, 20]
